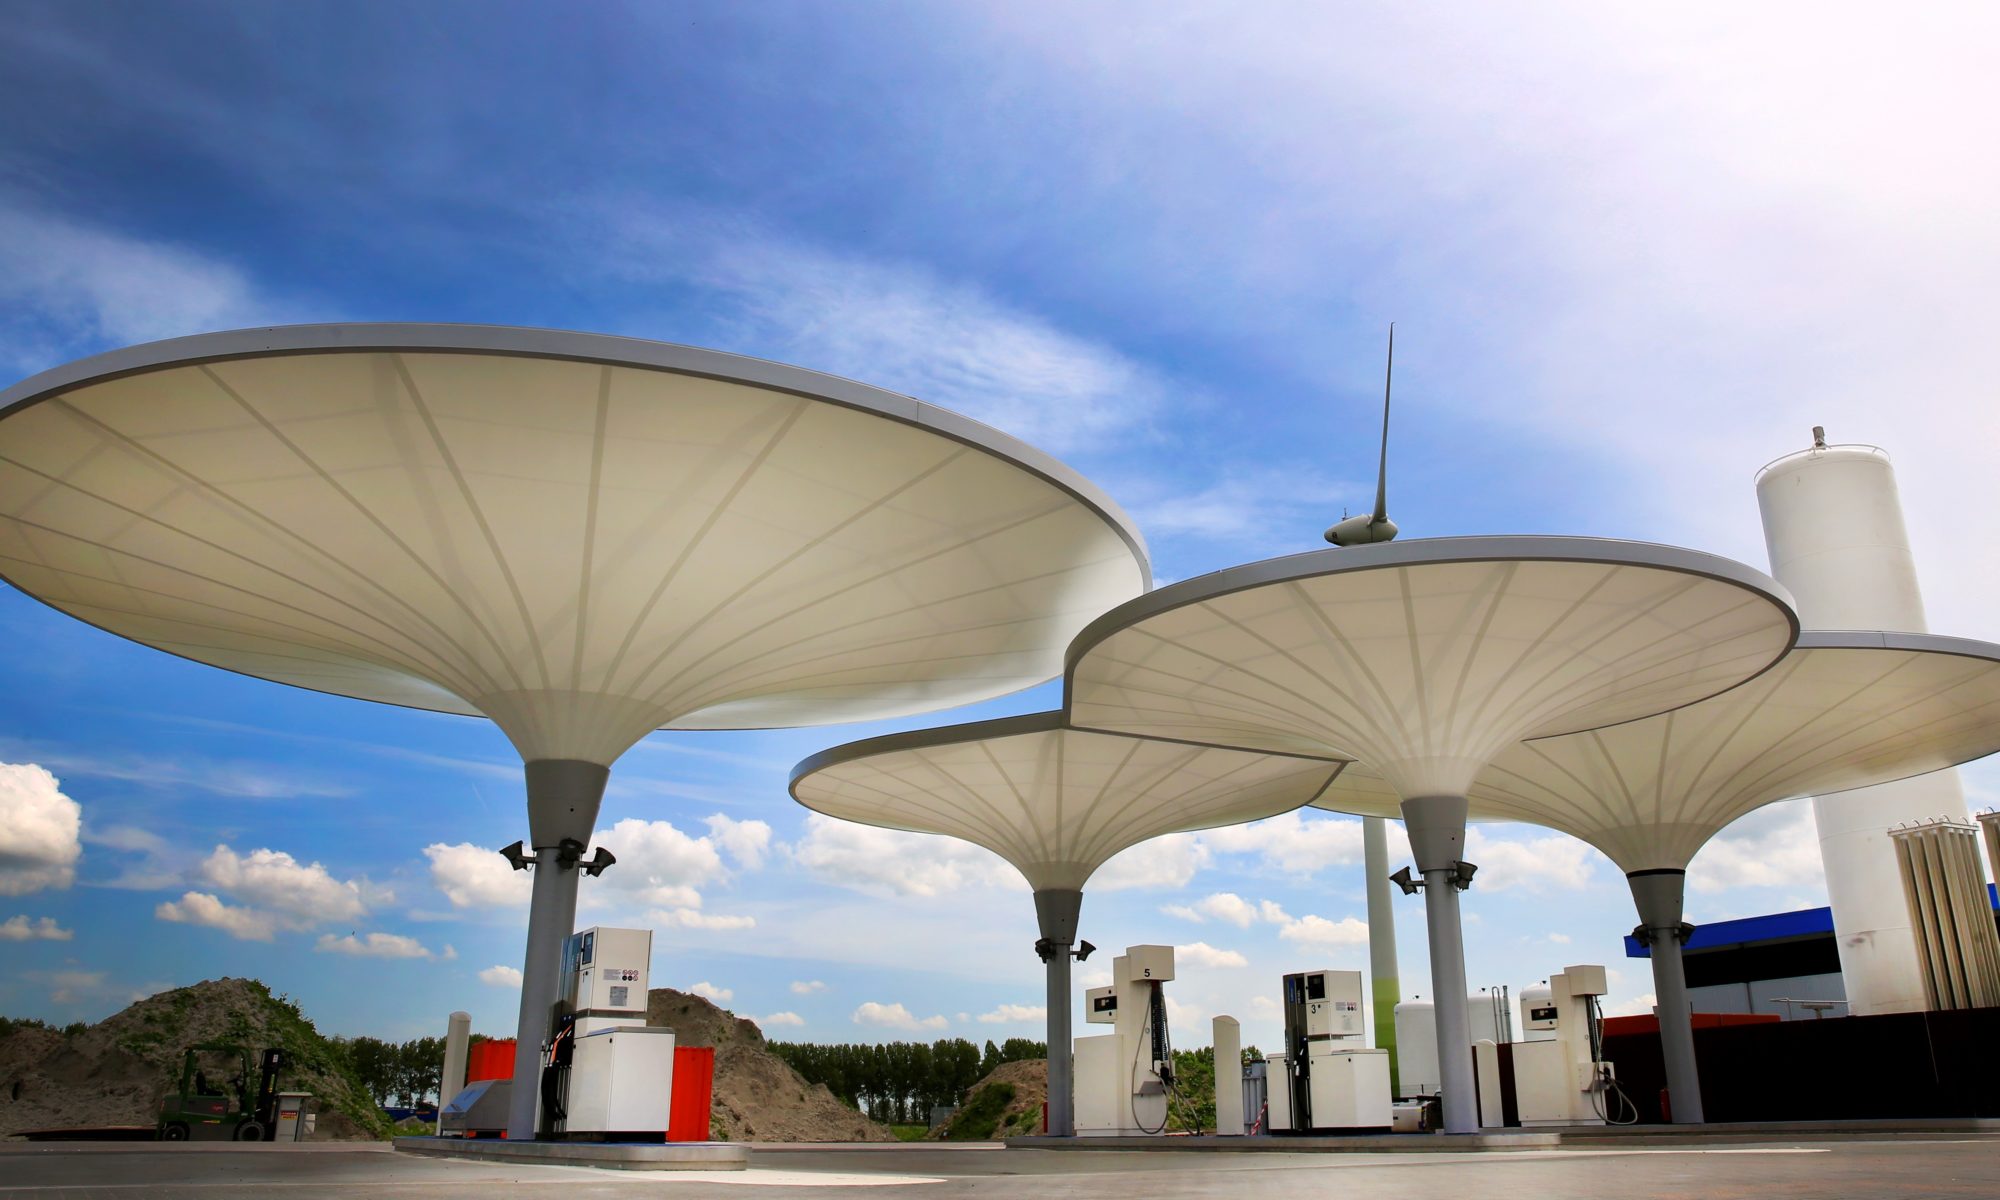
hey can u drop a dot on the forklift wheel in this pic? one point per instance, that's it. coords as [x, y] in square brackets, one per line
[175, 1132]
[249, 1131]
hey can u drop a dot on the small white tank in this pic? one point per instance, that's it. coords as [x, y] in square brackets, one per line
[1416, 1048]
[1833, 524]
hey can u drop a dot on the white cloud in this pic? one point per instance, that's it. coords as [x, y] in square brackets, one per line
[475, 877]
[1183, 912]
[1774, 847]
[889, 862]
[1318, 931]
[66, 286]
[1270, 911]
[1013, 1014]
[1298, 843]
[780, 1018]
[1560, 939]
[1201, 954]
[896, 325]
[1230, 907]
[304, 894]
[1163, 862]
[378, 945]
[1636, 1006]
[713, 994]
[659, 864]
[806, 987]
[67, 986]
[894, 1016]
[746, 842]
[694, 918]
[40, 829]
[1553, 863]
[207, 909]
[45, 929]
[501, 976]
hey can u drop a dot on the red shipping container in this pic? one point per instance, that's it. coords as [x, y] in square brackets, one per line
[493, 1059]
[694, 1088]
[1642, 1023]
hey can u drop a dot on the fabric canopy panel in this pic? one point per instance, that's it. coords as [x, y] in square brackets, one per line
[582, 537]
[1424, 659]
[1055, 802]
[1843, 710]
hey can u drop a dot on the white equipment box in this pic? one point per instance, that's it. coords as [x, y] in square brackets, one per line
[1118, 1089]
[621, 1081]
[1349, 1088]
[1555, 1080]
[1100, 1006]
[606, 977]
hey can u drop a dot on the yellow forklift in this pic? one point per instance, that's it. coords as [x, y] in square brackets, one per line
[222, 1107]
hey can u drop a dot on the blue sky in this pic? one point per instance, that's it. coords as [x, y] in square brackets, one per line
[1632, 254]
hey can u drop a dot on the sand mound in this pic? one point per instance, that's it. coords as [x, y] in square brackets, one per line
[1024, 1084]
[758, 1097]
[116, 1071]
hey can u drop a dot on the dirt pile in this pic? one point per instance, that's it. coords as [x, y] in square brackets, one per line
[1007, 1103]
[116, 1071]
[758, 1097]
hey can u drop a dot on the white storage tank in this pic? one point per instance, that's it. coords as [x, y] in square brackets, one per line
[1833, 524]
[1416, 1038]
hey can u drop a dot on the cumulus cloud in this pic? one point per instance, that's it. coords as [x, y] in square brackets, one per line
[1201, 954]
[379, 945]
[889, 862]
[781, 1018]
[40, 831]
[745, 842]
[1775, 847]
[1011, 1014]
[1163, 862]
[501, 976]
[303, 894]
[806, 987]
[659, 864]
[66, 986]
[207, 909]
[1553, 863]
[1298, 843]
[894, 1016]
[694, 918]
[713, 994]
[44, 929]
[1318, 931]
[475, 877]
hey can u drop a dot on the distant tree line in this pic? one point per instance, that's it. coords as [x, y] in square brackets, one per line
[401, 1073]
[899, 1082]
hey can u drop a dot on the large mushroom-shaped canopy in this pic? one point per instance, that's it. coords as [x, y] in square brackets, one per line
[1424, 659]
[582, 537]
[1055, 802]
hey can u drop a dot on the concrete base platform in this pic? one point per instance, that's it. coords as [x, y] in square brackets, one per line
[1541, 1139]
[1364, 1143]
[615, 1156]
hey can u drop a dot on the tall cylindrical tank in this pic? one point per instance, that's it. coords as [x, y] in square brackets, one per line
[1833, 524]
[1416, 1049]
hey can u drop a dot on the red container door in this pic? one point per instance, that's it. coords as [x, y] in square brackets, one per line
[492, 1059]
[694, 1088]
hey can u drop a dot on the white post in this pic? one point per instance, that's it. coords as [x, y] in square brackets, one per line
[1228, 1077]
[1056, 911]
[457, 1040]
[1436, 826]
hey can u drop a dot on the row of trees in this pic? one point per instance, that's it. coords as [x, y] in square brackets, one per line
[403, 1073]
[900, 1082]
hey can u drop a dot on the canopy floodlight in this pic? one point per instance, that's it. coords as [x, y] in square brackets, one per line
[583, 538]
[516, 856]
[1425, 660]
[1842, 711]
[1057, 803]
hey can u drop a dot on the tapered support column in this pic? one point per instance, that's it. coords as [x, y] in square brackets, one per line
[1383, 986]
[1057, 912]
[1437, 837]
[563, 795]
[1659, 895]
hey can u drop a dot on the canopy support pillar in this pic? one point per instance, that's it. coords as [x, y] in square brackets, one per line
[563, 795]
[1057, 912]
[1436, 826]
[1383, 986]
[1659, 895]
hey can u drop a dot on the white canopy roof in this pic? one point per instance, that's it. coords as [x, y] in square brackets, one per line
[1055, 802]
[582, 537]
[1425, 659]
[1843, 710]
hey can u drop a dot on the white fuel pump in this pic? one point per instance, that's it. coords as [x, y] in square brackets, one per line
[608, 1075]
[1330, 1080]
[1562, 1078]
[1123, 1077]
